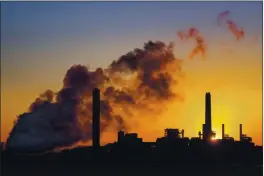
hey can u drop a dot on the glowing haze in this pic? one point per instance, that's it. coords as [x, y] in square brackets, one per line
[153, 64]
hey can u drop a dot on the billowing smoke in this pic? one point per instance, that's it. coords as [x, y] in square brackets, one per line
[139, 82]
[47, 124]
[232, 26]
[193, 33]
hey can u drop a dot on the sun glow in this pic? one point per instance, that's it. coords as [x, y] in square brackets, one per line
[215, 138]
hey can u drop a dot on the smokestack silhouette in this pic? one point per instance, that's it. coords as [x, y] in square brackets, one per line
[96, 118]
[223, 131]
[240, 132]
[207, 127]
[208, 111]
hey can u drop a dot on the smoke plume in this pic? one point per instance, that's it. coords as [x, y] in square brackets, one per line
[139, 82]
[232, 26]
[193, 33]
[222, 16]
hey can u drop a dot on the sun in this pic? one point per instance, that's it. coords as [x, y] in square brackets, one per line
[215, 138]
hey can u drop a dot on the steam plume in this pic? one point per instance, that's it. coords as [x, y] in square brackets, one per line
[222, 16]
[138, 82]
[232, 26]
[193, 33]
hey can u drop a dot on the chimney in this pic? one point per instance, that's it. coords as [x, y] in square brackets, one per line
[182, 133]
[96, 118]
[240, 132]
[207, 132]
[223, 131]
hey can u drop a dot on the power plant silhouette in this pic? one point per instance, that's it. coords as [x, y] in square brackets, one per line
[172, 153]
[206, 136]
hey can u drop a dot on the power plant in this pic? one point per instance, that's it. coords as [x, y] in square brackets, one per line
[171, 152]
[170, 134]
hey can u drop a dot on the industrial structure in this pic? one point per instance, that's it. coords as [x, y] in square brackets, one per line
[167, 152]
[173, 133]
[225, 136]
[131, 138]
[96, 118]
[243, 137]
[207, 127]
[176, 135]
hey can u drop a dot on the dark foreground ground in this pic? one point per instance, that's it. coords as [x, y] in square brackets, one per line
[139, 170]
[66, 165]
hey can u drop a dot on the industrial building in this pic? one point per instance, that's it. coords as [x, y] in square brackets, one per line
[171, 135]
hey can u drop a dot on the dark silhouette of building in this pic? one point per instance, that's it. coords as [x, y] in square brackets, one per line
[226, 136]
[171, 153]
[173, 133]
[128, 138]
[96, 118]
[243, 137]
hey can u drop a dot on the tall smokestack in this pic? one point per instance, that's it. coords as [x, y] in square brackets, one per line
[223, 131]
[208, 111]
[96, 118]
[208, 124]
[240, 132]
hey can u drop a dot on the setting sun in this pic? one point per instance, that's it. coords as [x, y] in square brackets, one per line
[215, 137]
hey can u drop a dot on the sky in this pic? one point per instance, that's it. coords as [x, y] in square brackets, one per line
[41, 40]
